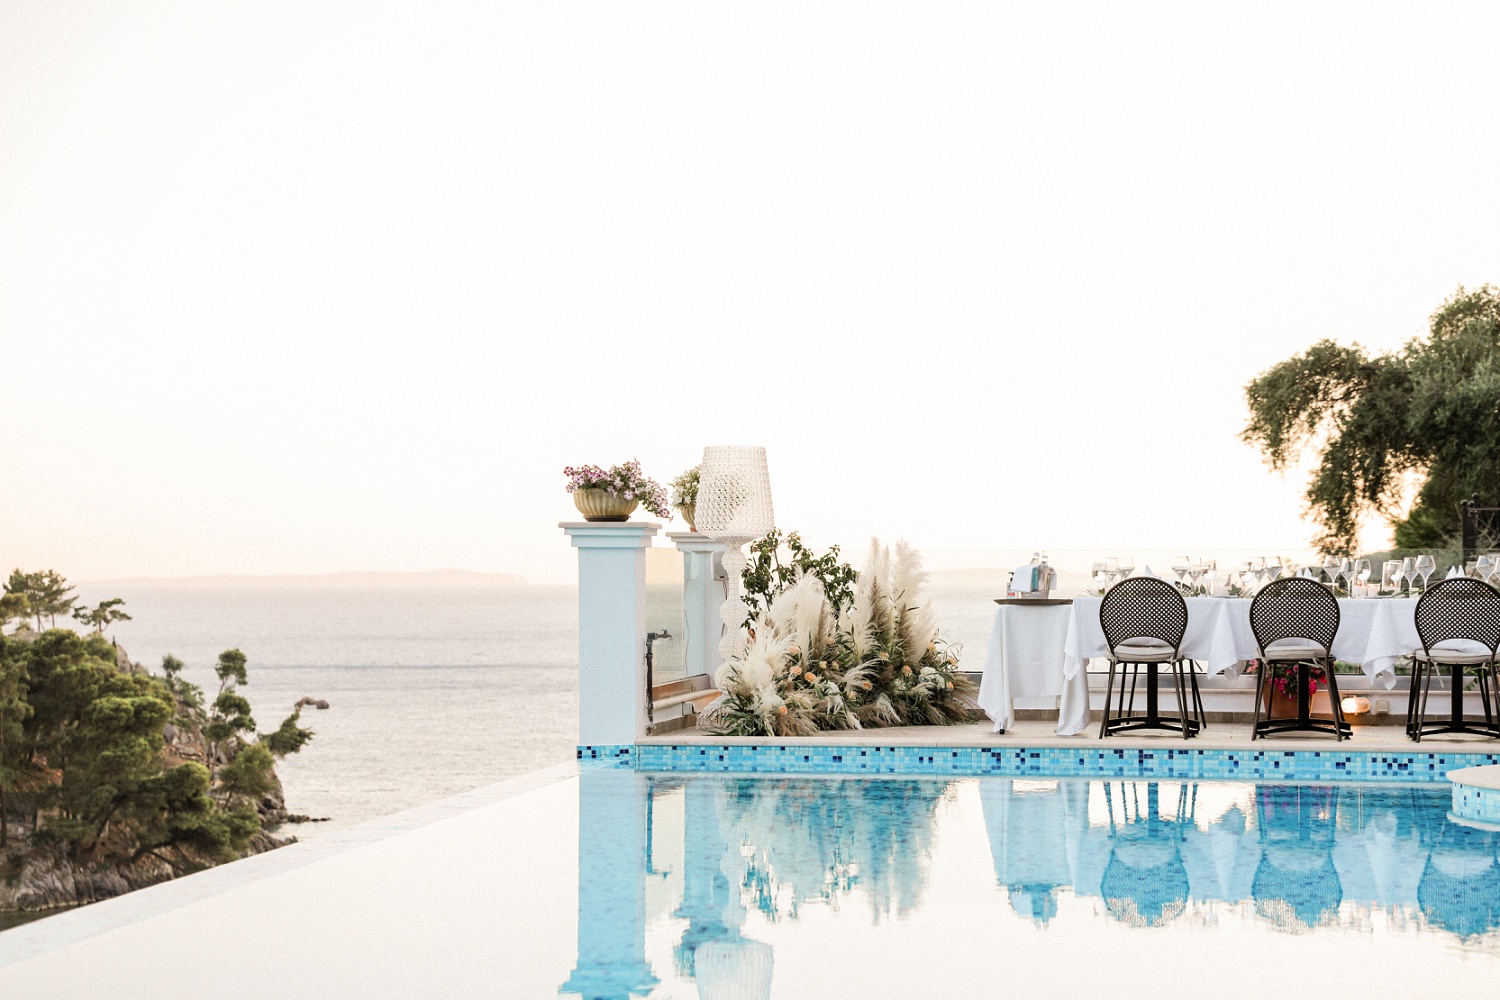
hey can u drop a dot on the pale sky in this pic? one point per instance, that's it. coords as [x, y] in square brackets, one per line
[309, 287]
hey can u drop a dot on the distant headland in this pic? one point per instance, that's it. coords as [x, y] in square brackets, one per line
[374, 580]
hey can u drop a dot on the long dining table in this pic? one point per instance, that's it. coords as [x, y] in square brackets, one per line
[1045, 651]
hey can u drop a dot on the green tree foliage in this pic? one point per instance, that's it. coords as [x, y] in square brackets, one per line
[13, 607]
[174, 815]
[289, 737]
[16, 767]
[84, 755]
[102, 615]
[766, 575]
[229, 715]
[46, 593]
[252, 773]
[1430, 410]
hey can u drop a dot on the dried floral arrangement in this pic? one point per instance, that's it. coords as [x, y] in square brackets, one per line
[813, 665]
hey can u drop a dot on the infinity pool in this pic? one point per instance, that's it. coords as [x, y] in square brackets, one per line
[599, 880]
[771, 886]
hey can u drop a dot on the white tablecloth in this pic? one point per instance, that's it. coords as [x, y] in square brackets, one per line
[1373, 632]
[1040, 652]
[1025, 659]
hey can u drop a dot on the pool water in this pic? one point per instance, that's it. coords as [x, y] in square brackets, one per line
[713, 886]
[599, 880]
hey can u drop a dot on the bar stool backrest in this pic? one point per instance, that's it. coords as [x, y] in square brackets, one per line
[1294, 607]
[1460, 608]
[1143, 607]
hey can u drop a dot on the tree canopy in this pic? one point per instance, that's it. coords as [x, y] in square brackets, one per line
[1430, 410]
[97, 754]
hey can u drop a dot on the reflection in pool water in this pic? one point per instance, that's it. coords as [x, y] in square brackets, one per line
[706, 881]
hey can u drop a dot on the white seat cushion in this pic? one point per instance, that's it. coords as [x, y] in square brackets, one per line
[1144, 651]
[1294, 651]
[1452, 657]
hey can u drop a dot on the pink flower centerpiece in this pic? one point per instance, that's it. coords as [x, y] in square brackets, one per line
[614, 494]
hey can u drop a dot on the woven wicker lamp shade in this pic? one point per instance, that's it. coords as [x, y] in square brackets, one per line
[734, 507]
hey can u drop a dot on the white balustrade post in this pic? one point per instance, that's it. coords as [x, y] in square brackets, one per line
[702, 597]
[611, 629]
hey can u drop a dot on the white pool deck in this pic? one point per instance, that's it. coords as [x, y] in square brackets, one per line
[355, 913]
[410, 905]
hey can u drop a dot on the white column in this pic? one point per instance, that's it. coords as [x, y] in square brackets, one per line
[702, 597]
[611, 629]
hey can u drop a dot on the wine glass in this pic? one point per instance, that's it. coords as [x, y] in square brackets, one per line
[1180, 566]
[1409, 572]
[1362, 573]
[1112, 569]
[1331, 567]
[1425, 567]
[1484, 567]
[1096, 571]
[1127, 565]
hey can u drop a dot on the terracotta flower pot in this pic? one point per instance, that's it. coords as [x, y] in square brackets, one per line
[600, 505]
[689, 511]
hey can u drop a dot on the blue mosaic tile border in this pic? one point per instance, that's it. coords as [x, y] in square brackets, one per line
[1473, 802]
[1058, 762]
[613, 752]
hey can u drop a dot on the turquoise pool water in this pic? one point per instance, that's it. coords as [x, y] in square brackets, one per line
[603, 880]
[700, 885]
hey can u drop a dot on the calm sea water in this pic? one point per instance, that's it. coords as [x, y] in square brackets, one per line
[432, 690]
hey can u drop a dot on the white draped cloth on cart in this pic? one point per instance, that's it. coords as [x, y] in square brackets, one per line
[1373, 632]
[1025, 660]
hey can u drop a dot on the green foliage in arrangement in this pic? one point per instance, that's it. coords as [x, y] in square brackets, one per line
[766, 574]
[813, 664]
[1429, 410]
[685, 487]
[85, 759]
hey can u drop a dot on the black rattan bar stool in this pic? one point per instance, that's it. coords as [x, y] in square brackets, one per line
[1295, 620]
[1458, 621]
[1144, 620]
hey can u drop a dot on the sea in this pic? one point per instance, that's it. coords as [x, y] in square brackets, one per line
[431, 690]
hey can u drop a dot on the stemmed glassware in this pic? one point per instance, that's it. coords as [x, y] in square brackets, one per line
[1425, 566]
[1097, 571]
[1409, 572]
[1485, 567]
[1362, 573]
[1331, 567]
[1180, 567]
[1127, 566]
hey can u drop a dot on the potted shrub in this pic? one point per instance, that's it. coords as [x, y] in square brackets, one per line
[685, 495]
[613, 495]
